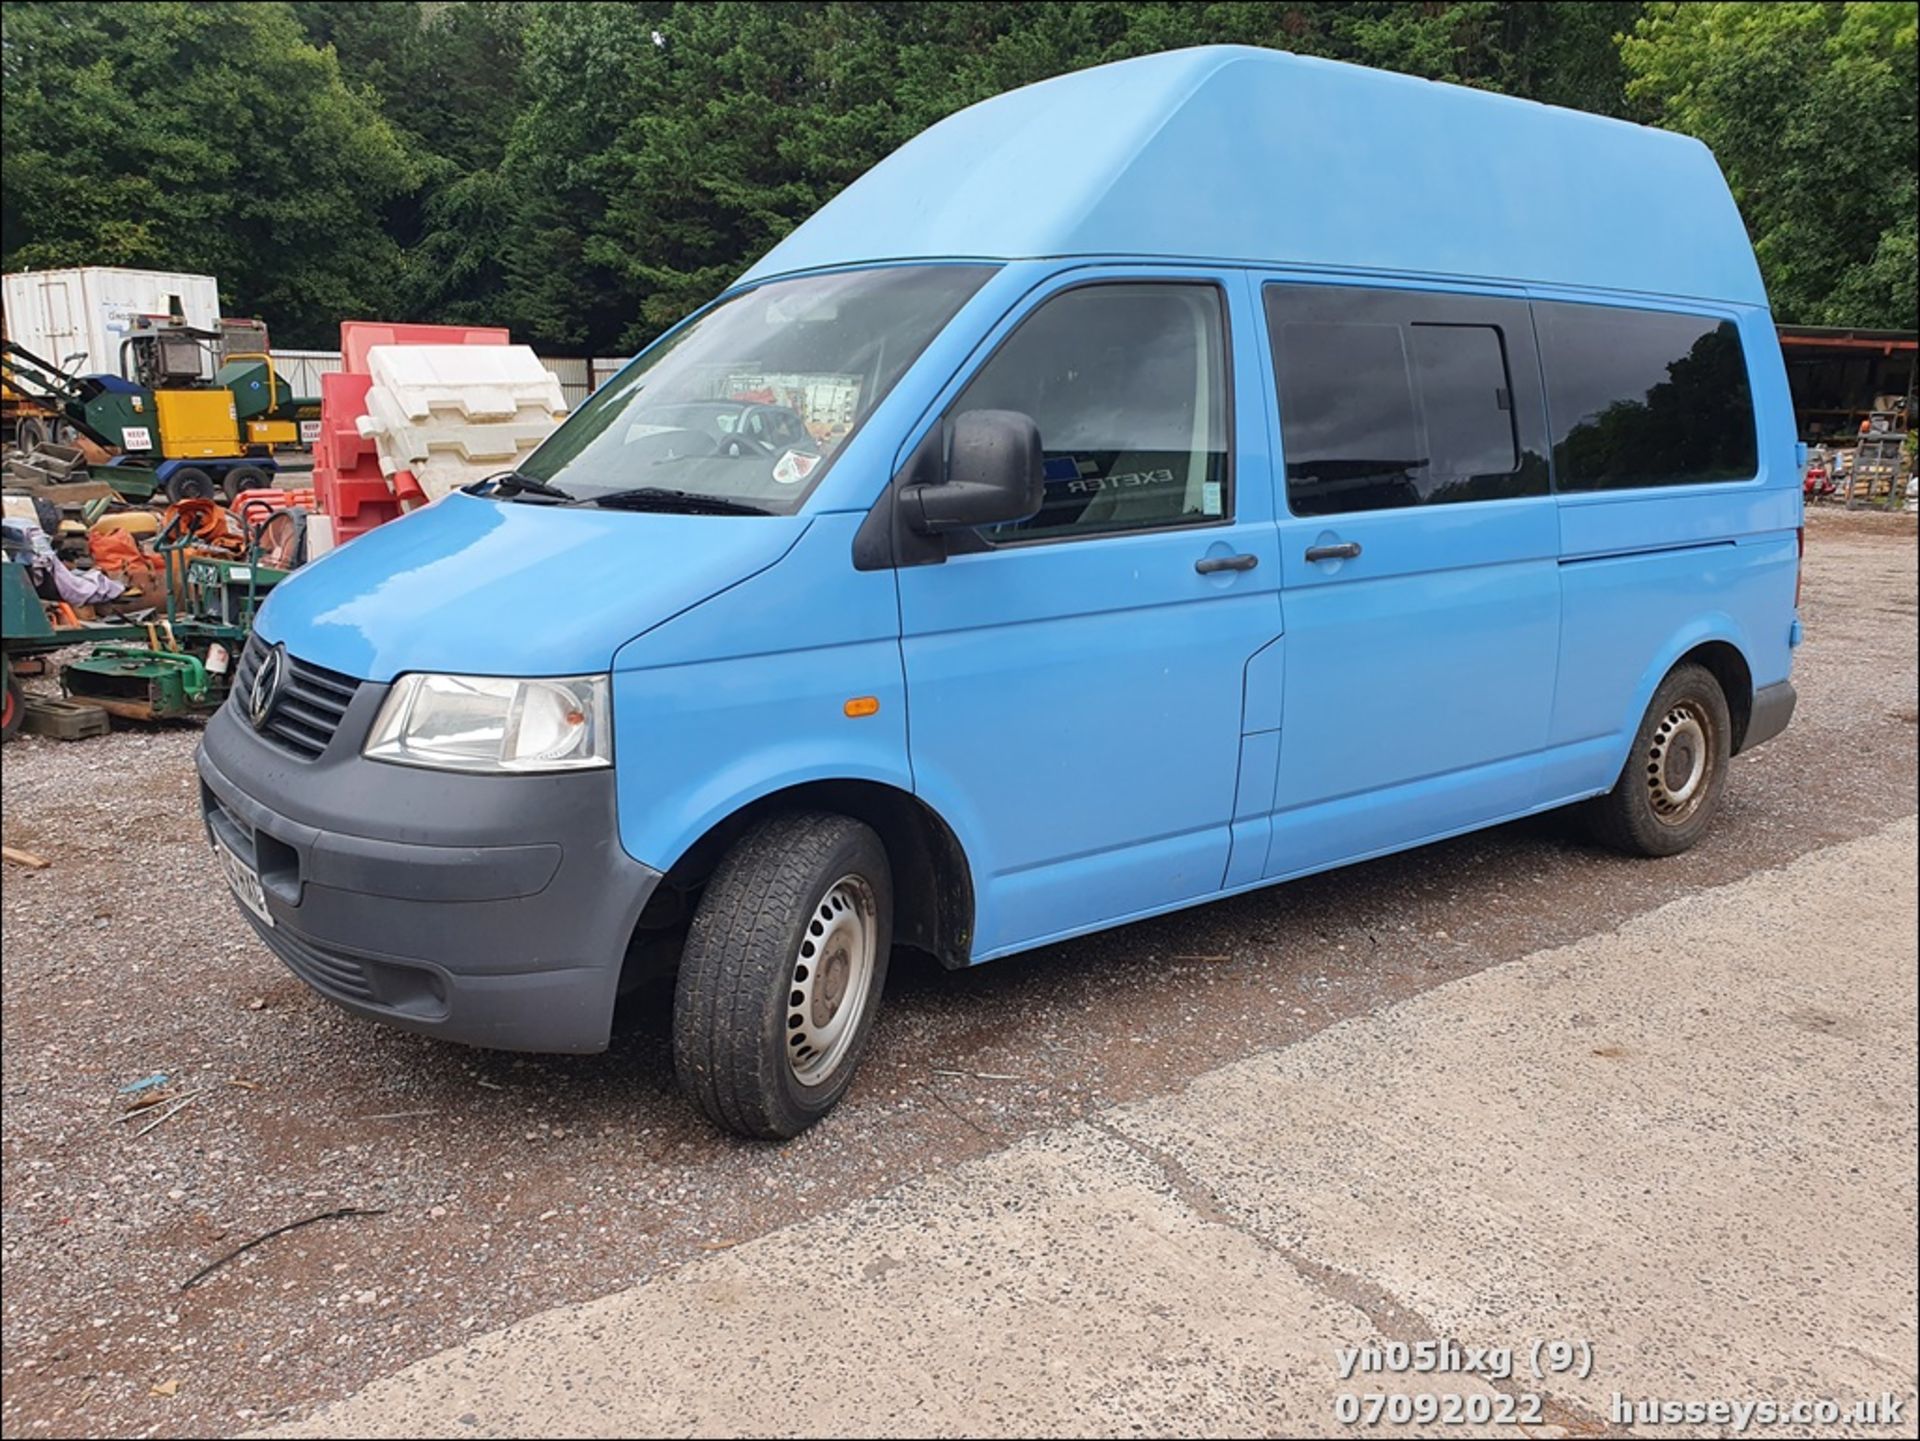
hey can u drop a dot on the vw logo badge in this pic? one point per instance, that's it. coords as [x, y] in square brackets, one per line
[266, 686]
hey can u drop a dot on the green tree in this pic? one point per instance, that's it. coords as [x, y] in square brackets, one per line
[447, 77]
[588, 173]
[203, 137]
[1810, 110]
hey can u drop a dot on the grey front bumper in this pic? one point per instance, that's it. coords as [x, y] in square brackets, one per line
[493, 910]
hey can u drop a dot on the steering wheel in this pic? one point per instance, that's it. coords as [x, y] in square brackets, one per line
[666, 445]
[737, 447]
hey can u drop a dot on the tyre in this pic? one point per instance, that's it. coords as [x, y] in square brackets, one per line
[189, 482]
[782, 972]
[1670, 788]
[16, 708]
[30, 432]
[243, 477]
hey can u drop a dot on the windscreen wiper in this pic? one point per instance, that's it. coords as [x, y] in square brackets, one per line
[509, 483]
[686, 502]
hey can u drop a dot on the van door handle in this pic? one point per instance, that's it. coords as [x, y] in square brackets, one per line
[1211, 564]
[1346, 550]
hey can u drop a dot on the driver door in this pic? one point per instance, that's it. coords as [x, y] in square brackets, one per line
[1075, 680]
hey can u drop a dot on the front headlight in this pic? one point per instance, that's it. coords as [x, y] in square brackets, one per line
[487, 723]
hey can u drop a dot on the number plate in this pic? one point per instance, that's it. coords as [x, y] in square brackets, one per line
[245, 882]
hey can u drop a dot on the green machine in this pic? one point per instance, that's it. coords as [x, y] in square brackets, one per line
[188, 659]
[177, 431]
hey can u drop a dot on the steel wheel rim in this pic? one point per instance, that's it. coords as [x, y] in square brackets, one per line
[1679, 763]
[831, 975]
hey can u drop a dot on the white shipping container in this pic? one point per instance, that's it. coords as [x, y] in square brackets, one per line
[89, 309]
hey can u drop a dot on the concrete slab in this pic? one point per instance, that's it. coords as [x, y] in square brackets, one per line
[1690, 1143]
[1059, 1287]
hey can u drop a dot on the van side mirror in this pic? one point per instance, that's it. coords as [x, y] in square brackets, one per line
[993, 475]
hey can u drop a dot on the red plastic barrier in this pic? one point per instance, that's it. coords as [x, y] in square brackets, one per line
[347, 482]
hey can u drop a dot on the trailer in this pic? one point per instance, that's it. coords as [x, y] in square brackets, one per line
[78, 316]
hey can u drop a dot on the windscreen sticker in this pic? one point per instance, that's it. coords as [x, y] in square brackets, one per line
[794, 466]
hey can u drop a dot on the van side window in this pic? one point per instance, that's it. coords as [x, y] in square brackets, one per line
[1128, 384]
[1645, 397]
[1394, 398]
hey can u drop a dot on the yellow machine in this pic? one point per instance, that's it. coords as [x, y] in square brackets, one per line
[197, 424]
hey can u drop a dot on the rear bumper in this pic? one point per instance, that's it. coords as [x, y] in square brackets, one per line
[1772, 709]
[492, 910]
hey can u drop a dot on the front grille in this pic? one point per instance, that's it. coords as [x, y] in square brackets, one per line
[331, 972]
[310, 706]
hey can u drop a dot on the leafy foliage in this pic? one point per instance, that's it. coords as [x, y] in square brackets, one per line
[1810, 109]
[588, 173]
[203, 137]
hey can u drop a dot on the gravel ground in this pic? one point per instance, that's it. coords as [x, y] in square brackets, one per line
[508, 1184]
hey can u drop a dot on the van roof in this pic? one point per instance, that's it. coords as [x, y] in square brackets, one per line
[1229, 152]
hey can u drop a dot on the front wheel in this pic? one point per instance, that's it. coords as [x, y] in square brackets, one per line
[189, 482]
[1670, 789]
[782, 972]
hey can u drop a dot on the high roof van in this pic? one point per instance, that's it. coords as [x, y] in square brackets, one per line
[1143, 487]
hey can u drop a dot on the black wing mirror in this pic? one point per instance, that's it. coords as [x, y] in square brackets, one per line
[993, 475]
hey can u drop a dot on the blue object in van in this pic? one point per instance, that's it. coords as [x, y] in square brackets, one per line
[1144, 486]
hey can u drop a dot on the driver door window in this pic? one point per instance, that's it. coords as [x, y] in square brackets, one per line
[1128, 384]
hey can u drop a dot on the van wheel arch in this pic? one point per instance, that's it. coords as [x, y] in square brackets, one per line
[1730, 668]
[932, 883]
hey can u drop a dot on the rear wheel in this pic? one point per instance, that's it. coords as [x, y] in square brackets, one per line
[243, 477]
[782, 972]
[1670, 789]
[16, 707]
[29, 433]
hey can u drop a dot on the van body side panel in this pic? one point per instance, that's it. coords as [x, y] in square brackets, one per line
[1648, 574]
[1630, 618]
[1419, 689]
[739, 698]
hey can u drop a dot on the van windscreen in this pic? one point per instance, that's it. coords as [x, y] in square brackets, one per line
[749, 402]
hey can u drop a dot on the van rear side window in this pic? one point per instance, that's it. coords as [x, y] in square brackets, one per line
[1394, 398]
[1645, 397]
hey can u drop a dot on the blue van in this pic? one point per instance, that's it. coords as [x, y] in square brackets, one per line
[1171, 479]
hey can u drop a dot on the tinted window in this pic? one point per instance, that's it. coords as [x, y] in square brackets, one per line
[1465, 400]
[1642, 397]
[1128, 384]
[1399, 398]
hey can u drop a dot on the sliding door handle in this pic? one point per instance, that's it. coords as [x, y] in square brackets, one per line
[1212, 564]
[1346, 550]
